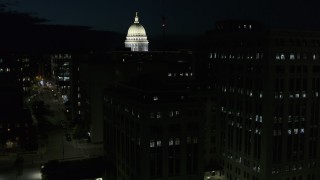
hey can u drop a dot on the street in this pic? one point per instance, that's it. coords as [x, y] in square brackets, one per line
[55, 146]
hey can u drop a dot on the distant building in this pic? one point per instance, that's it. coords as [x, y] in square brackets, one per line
[267, 84]
[26, 73]
[16, 128]
[152, 131]
[92, 73]
[61, 71]
[137, 38]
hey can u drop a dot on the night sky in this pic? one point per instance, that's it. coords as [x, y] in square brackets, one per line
[185, 17]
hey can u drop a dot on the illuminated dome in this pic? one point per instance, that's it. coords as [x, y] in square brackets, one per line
[137, 37]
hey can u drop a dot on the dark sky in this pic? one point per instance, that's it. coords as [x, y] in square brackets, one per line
[183, 16]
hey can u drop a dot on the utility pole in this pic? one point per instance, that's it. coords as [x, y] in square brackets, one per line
[62, 148]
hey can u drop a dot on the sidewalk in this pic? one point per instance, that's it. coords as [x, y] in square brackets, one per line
[7, 160]
[88, 149]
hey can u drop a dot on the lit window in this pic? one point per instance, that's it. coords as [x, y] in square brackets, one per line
[295, 131]
[315, 56]
[152, 144]
[158, 115]
[155, 98]
[170, 142]
[171, 114]
[292, 57]
[159, 143]
[169, 74]
[302, 130]
[289, 131]
[282, 56]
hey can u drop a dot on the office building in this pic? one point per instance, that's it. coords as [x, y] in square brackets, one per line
[267, 82]
[152, 131]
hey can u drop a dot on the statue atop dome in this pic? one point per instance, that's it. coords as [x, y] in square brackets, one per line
[136, 19]
[136, 38]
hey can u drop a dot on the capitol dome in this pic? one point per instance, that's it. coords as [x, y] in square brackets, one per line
[136, 29]
[137, 37]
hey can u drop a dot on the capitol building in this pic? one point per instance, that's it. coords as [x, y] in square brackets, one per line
[136, 38]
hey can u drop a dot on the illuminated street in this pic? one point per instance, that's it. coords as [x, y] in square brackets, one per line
[56, 146]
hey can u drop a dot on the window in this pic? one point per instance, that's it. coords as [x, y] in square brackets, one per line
[292, 57]
[152, 144]
[170, 142]
[177, 141]
[171, 114]
[158, 115]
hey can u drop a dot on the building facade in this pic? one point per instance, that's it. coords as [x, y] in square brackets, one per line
[16, 126]
[152, 134]
[267, 82]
